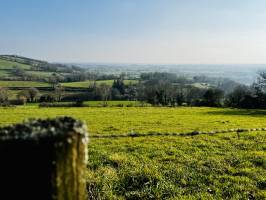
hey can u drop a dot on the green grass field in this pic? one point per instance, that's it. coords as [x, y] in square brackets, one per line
[4, 64]
[23, 84]
[40, 73]
[85, 84]
[218, 166]
[116, 120]
[4, 73]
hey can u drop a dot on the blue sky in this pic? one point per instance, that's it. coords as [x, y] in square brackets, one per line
[135, 31]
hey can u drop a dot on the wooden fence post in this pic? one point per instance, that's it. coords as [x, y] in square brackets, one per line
[44, 159]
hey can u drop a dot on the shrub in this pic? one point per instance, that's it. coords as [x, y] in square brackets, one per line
[103, 104]
[5, 104]
[17, 102]
[79, 103]
[73, 104]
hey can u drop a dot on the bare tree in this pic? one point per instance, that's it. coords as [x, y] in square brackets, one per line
[59, 92]
[33, 94]
[23, 95]
[105, 92]
[260, 84]
[4, 94]
[54, 79]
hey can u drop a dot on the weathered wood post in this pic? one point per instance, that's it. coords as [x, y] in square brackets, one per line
[44, 159]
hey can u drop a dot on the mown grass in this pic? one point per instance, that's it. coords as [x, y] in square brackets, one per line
[23, 84]
[218, 166]
[85, 84]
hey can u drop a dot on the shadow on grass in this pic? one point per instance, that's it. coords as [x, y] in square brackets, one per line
[250, 112]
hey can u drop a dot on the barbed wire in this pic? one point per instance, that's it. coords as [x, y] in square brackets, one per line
[192, 133]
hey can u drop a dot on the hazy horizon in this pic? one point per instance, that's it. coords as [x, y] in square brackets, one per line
[127, 31]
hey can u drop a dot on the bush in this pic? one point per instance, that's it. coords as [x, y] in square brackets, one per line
[79, 103]
[47, 98]
[73, 104]
[103, 104]
[17, 102]
[5, 104]
[85, 96]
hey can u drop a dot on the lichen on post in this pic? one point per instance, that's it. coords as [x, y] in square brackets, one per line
[44, 159]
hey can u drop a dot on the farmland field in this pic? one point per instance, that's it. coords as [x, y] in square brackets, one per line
[23, 84]
[4, 73]
[218, 166]
[4, 64]
[40, 73]
[144, 120]
[87, 83]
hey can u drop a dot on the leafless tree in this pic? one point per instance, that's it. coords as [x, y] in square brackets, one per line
[4, 94]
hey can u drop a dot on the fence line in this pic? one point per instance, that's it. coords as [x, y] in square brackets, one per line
[192, 133]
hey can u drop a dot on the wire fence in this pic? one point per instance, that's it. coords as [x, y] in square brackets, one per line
[192, 133]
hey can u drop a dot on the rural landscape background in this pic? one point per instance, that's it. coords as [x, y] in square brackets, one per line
[151, 134]
[168, 116]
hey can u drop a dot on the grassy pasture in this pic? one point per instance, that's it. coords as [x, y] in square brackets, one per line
[43, 74]
[4, 73]
[116, 120]
[23, 84]
[219, 166]
[4, 64]
[85, 84]
[40, 73]
[199, 167]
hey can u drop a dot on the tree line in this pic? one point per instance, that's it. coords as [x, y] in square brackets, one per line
[161, 89]
[56, 73]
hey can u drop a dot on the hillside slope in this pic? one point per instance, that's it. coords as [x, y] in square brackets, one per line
[6, 64]
[21, 60]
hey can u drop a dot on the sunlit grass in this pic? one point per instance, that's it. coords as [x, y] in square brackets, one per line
[218, 166]
[198, 167]
[145, 119]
